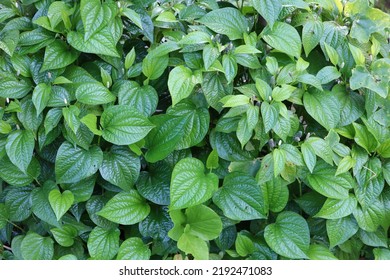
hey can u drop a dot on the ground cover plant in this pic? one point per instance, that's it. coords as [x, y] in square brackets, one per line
[194, 129]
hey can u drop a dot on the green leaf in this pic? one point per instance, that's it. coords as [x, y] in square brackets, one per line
[279, 157]
[328, 74]
[58, 55]
[181, 82]
[124, 125]
[276, 194]
[126, 208]
[289, 236]
[227, 21]
[41, 97]
[103, 244]
[212, 160]
[120, 167]
[270, 116]
[130, 58]
[364, 138]
[324, 181]
[73, 164]
[94, 94]
[133, 249]
[41, 206]
[71, 117]
[381, 254]
[311, 35]
[345, 164]
[9, 40]
[18, 203]
[11, 88]
[244, 245]
[60, 202]
[191, 244]
[320, 252]
[336, 208]
[14, 176]
[36, 247]
[284, 38]
[20, 147]
[309, 156]
[240, 198]
[323, 107]
[369, 218]
[3, 216]
[64, 235]
[154, 66]
[362, 78]
[340, 230]
[190, 185]
[321, 148]
[94, 16]
[269, 10]
[230, 67]
[374, 239]
[203, 222]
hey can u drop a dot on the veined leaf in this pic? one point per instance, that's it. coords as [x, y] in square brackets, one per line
[20, 148]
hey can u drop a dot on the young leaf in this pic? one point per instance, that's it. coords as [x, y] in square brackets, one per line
[60, 202]
[191, 244]
[340, 230]
[190, 185]
[41, 97]
[133, 249]
[180, 83]
[64, 235]
[336, 209]
[289, 236]
[244, 245]
[126, 208]
[103, 244]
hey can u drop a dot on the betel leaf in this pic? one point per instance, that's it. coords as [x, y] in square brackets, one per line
[323, 107]
[18, 203]
[41, 97]
[289, 236]
[94, 15]
[13, 88]
[320, 252]
[37, 247]
[133, 249]
[240, 198]
[94, 94]
[40, 203]
[14, 176]
[74, 164]
[324, 181]
[340, 230]
[203, 222]
[20, 148]
[269, 10]
[60, 202]
[103, 244]
[284, 38]
[3, 216]
[194, 245]
[124, 125]
[336, 208]
[244, 245]
[64, 235]
[58, 55]
[227, 21]
[125, 208]
[181, 82]
[276, 194]
[190, 185]
[311, 35]
[270, 115]
[120, 167]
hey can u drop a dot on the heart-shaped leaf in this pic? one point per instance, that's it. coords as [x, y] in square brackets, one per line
[190, 185]
[60, 202]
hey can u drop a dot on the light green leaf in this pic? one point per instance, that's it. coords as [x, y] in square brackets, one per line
[270, 116]
[153, 66]
[11, 88]
[336, 208]
[41, 206]
[58, 55]
[284, 38]
[203, 222]
[362, 78]
[268, 9]
[384, 149]
[244, 245]
[364, 138]
[320, 252]
[94, 94]
[103, 244]
[180, 83]
[190, 185]
[309, 156]
[279, 157]
[369, 218]
[276, 194]
[345, 164]
[64, 235]
[289, 236]
[41, 97]
[94, 16]
[193, 245]
[133, 249]
[227, 21]
[324, 181]
[124, 125]
[381, 254]
[328, 74]
[71, 117]
[60, 203]
[321, 148]
[311, 35]
[120, 167]
[36, 247]
[20, 147]
[240, 198]
[126, 208]
[375, 239]
[74, 164]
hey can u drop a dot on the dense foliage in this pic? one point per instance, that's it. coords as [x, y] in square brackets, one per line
[194, 129]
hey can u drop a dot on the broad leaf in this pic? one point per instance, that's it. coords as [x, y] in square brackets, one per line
[60, 202]
[58, 55]
[94, 94]
[103, 244]
[269, 10]
[126, 208]
[124, 125]
[336, 209]
[133, 249]
[289, 236]
[36, 247]
[74, 164]
[181, 82]
[340, 230]
[190, 185]
[20, 148]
